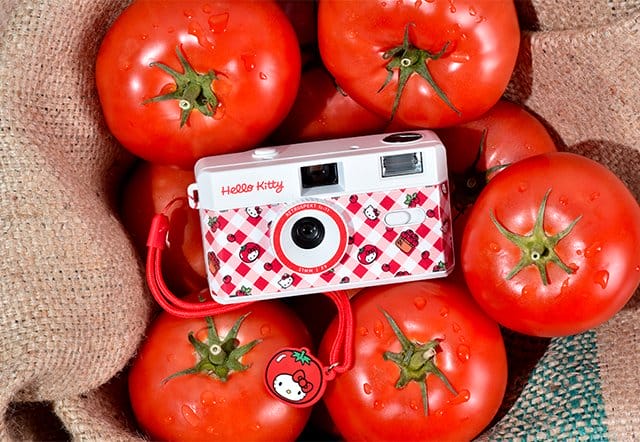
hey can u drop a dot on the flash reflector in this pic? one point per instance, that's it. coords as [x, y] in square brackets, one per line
[401, 164]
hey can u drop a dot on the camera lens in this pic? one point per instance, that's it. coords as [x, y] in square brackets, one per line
[307, 232]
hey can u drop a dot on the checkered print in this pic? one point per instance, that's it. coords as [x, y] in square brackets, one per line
[241, 262]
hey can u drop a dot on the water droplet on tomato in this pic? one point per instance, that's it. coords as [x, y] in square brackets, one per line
[460, 57]
[565, 286]
[601, 277]
[417, 3]
[202, 334]
[594, 196]
[219, 22]
[494, 247]
[206, 8]
[144, 37]
[419, 302]
[528, 290]
[265, 330]
[378, 328]
[211, 430]
[455, 327]
[249, 62]
[367, 388]
[190, 415]
[171, 357]
[208, 398]
[168, 420]
[168, 89]
[452, 7]
[444, 312]
[461, 398]
[564, 200]
[472, 11]
[378, 405]
[364, 331]
[463, 352]
[638, 268]
[593, 249]
[220, 112]
[170, 30]
[523, 186]
[188, 13]
[263, 76]
[414, 405]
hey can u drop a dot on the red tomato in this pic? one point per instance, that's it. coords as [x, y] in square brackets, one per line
[302, 14]
[178, 81]
[552, 245]
[441, 334]
[199, 380]
[429, 63]
[147, 191]
[323, 111]
[479, 149]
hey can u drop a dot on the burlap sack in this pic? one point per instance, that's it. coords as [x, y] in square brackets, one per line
[73, 306]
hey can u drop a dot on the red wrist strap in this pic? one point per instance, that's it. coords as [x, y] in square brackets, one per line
[156, 242]
[341, 353]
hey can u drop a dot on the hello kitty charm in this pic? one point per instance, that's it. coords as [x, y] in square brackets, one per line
[296, 377]
[327, 215]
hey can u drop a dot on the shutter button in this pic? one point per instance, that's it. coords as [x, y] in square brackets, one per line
[265, 153]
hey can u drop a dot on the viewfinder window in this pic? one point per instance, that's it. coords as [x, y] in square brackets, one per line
[319, 175]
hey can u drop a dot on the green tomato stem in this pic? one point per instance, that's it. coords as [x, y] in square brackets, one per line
[416, 362]
[536, 247]
[409, 60]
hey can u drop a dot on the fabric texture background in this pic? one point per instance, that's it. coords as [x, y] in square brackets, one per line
[73, 303]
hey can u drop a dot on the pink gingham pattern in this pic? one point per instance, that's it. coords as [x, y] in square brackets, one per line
[241, 263]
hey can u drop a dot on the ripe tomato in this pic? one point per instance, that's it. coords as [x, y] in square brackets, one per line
[552, 245]
[147, 191]
[197, 379]
[428, 63]
[181, 80]
[302, 15]
[479, 149]
[439, 333]
[322, 111]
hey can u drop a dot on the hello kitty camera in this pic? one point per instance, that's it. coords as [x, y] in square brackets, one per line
[327, 215]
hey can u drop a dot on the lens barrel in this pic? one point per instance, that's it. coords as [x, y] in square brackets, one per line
[307, 232]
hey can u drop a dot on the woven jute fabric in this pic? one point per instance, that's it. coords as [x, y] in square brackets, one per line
[73, 304]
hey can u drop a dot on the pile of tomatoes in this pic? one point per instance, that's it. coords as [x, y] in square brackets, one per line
[547, 242]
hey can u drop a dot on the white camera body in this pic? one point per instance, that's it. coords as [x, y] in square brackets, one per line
[326, 215]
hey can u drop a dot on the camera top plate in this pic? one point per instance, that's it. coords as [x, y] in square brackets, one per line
[274, 174]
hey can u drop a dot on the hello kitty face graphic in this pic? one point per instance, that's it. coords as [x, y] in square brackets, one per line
[250, 252]
[368, 253]
[371, 212]
[290, 386]
[286, 281]
[253, 212]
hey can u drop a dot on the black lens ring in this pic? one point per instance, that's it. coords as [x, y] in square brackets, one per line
[307, 232]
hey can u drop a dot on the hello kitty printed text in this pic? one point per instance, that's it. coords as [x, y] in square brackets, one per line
[258, 186]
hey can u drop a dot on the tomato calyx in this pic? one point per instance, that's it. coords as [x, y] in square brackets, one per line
[537, 248]
[192, 89]
[416, 362]
[218, 357]
[409, 60]
[468, 184]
